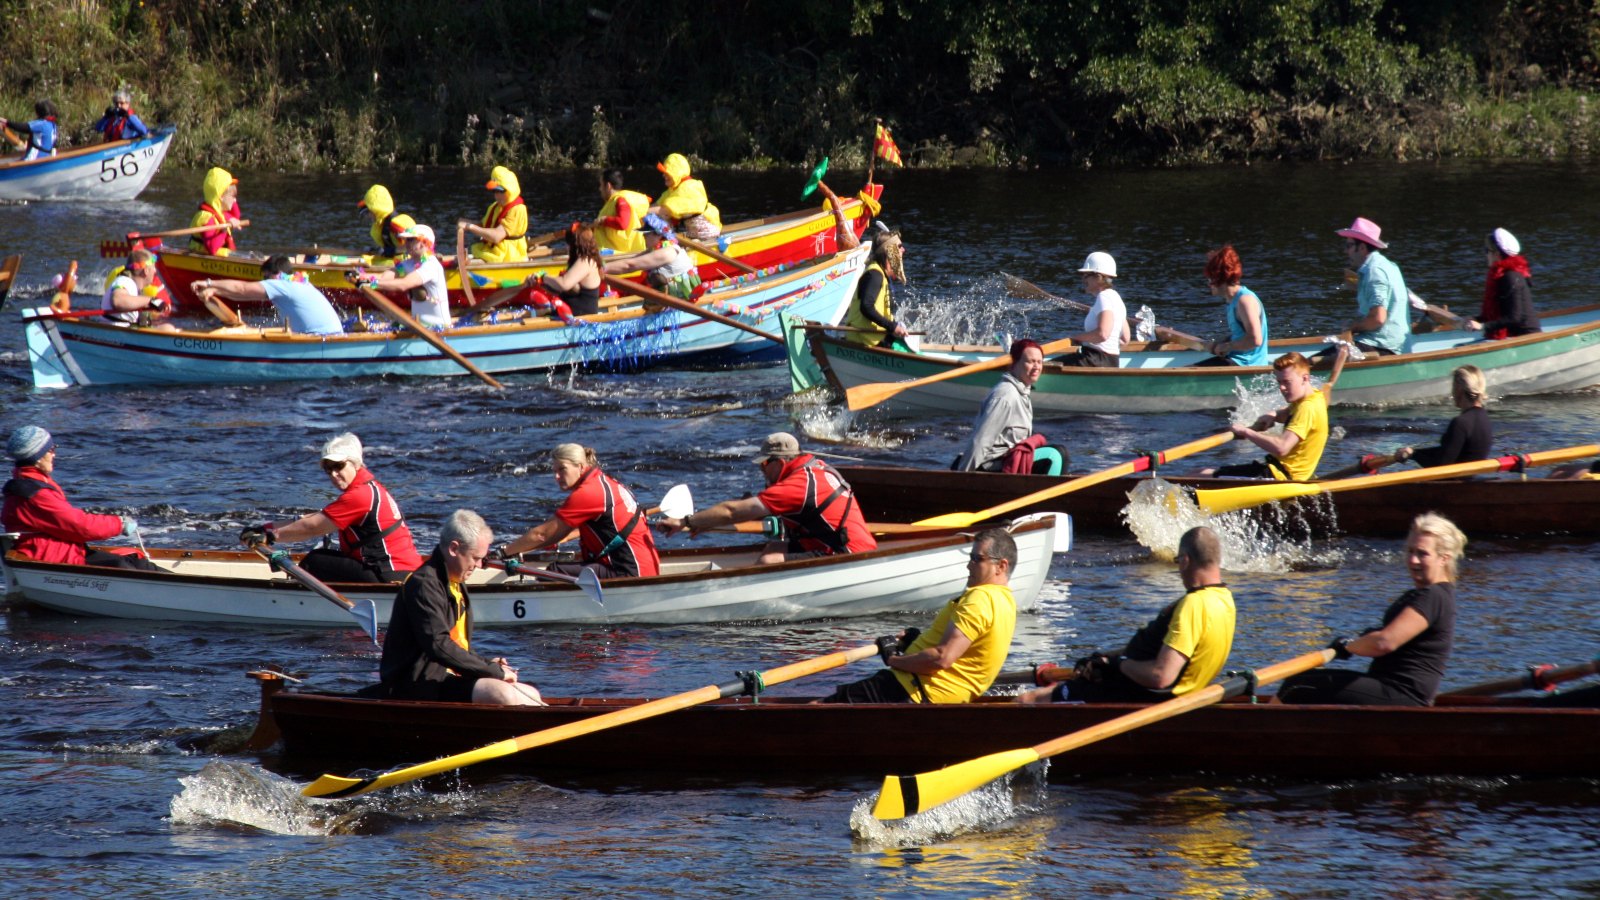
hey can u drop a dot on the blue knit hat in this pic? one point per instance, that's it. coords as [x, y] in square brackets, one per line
[28, 443]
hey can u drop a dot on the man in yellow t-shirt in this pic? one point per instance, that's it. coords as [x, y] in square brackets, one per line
[960, 654]
[1181, 649]
[1293, 454]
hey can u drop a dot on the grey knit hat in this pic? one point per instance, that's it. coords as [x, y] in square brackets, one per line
[28, 443]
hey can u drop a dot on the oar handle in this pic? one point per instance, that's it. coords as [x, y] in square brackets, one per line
[865, 396]
[183, 232]
[280, 560]
[1536, 678]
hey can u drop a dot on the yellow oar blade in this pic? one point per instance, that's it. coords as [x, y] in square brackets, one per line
[1221, 500]
[905, 795]
[333, 787]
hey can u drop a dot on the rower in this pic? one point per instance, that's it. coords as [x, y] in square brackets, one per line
[1180, 650]
[388, 224]
[1002, 434]
[41, 131]
[1507, 298]
[616, 227]
[1384, 328]
[219, 205]
[684, 203]
[1293, 454]
[421, 276]
[611, 527]
[666, 266]
[871, 315]
[812, 500]
[962, 652]
[503, 232]
[51, 529]
[427, 648]
[304, 308]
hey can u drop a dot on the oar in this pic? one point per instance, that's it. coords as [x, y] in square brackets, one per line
[1019, 287]
[865, 396]
[655, 296]
[462, 262]
[8, 271]
[62, 301]
[904, 795]
[1537, 678]
[717, 255]
[493, 300]
[1141, 464]
[587, 581]
[1369, 464]
[1223, 500]
[676, 503]
[1041, 674]
[365, 612]
[404, 318]
[334, 786]
[15, 139]
[113, 249]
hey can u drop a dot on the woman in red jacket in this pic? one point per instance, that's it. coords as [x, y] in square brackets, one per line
[51, 529]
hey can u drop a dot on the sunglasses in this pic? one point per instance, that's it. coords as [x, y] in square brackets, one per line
[332, 466]
[979, 557]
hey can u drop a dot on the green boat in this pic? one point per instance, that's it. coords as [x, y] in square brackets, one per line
[1155, 377]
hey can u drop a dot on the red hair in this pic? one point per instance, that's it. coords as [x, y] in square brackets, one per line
[1222, 266]
[1022, 344]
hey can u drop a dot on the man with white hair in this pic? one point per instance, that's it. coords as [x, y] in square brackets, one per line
[374, 543]
[427, 649]
[121, 123]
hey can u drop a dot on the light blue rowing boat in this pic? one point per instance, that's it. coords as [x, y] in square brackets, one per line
[115, 170]
[82, 349]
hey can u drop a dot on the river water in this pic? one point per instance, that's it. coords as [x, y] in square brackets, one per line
[99, 796]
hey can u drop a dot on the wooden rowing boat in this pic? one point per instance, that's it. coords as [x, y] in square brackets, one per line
[1156, 377]
[115, 170]
[759, 243]
[715, 585]
[1480, 506]
[787, 736]
[81, 349]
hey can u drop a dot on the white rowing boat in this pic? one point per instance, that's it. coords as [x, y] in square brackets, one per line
[696, 586]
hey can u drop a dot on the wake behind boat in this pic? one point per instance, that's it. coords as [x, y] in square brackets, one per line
[1156, 377]
[81, 349]
[915, 573]
[115, 170]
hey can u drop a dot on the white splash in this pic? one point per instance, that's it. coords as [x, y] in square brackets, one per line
[986, 808]
[1273, 538]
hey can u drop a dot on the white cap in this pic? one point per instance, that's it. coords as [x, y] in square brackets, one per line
[419, 231]
[1100, 263]
[1507, 242]
[343, 448]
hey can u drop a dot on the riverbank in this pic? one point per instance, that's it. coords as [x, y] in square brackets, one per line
[296, 86]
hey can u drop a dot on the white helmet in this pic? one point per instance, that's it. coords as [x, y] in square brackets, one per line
[1100, 263]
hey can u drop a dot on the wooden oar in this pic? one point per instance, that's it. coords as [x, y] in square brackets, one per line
[904, 795]
[1141, 464]
[655, 296]
[866, 396]
[62, 301]
[8, 271]
[587, 581]
[334, 786]
[1019, 287]
[15, 139]
[404, 318]
[462, 262]
[1368, 465]
[1040, 675]
[114, 249]
[364, 612]
[1223, 500]
[716, 254]
[1537, 678]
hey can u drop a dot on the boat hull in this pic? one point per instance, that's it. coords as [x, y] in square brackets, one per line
[68, 351]
[118, 170]
[1153, 378]
[785, 737]
[1481, 507]
[760, 244]
[912, 574]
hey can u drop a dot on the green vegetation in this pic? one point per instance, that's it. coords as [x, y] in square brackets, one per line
[304, 84]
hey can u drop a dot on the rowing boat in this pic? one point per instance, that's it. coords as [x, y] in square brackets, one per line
[696, 586]
[1480, 506]
[784, 736]
[1155, 377]
[115, 170]
[82, 349]
[760, 244]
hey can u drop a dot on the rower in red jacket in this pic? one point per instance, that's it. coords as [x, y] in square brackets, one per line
[51, 529]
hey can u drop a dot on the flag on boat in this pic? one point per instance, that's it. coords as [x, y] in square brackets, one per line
[883, 147]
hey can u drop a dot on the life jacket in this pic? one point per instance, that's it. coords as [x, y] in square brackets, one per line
[809, 521]
[387, 231]
[880, 304]
[628, 240]
[613, 539]
[197, 244]
[117, 126]
[497, 214]
[366, 539]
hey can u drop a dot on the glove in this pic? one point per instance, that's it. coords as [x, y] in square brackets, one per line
[887, 645]
[911, 634]
[499, 554]
[129, 526]
[259, 534]
[1341, 647]
[1094, 669]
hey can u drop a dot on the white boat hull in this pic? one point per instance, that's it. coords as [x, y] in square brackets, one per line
[119, 170]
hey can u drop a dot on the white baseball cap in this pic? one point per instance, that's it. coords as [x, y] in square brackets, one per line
[419, 231]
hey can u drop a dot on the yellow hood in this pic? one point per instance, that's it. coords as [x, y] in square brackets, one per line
[217, 181]
[377, 201]
[503, 177]
[676, 167]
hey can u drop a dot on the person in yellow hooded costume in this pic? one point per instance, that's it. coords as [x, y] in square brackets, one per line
[220, 205]
[387, 224]
[616, 228]
[503, 233]
[684, 204]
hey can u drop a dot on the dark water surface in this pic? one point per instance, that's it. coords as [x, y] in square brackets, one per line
[99, 798]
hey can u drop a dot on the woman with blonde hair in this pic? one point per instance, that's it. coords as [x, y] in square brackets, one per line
[613, 535]
[1468, 438]
[1410, 649]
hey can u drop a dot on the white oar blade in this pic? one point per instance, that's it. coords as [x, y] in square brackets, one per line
[678, 502]
[589, 583]
[1062, 541]
[366, 612]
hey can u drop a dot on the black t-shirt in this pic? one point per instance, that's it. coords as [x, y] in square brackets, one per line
[1417, 668]
[1468, 438]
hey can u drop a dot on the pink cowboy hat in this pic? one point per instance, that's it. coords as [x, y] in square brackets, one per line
[1364, 230]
